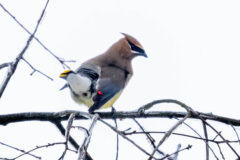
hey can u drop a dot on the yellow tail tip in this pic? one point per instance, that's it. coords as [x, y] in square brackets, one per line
[65, 73]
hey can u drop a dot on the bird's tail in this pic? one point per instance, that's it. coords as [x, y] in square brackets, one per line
[65, 86]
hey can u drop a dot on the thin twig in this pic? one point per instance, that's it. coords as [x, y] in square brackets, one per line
[83, 148]
[116, 126]
[67, 134]
[151, 104]
[234, 151]
[201, 137]
[36, 70]
[236, 133]
[117, 149]
[220, 150]
[61, 60]
[20, 150]
[38, 147]
[4, 65]
[169, 133]
[125, 137]
[175, 153]
[63, 132]
[217, 135]
[180, 134]
[149, 137]
[81, 128]
[60, 127]
[206, 141]
[12, 68]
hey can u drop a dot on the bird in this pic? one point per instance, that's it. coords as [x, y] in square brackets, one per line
[99, 81]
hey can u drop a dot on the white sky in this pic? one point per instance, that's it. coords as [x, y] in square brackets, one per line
[193, 49]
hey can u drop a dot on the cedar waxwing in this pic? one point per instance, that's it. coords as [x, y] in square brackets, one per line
[98, 82]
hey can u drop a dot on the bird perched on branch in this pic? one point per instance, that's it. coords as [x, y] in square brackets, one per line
[98, 82]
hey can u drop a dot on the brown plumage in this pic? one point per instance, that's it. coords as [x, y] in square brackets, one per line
[114, 68]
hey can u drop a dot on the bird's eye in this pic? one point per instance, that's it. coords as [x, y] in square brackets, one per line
[135, 48]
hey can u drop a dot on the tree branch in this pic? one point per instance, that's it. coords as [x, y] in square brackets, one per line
[178, 150]
[13, 66]
[168, 133]
[67, 135]
[53, 116]
[61, 60]
[184, 135]
[125, 137]
[4, 65]
[206, 141]
[20, 150]
[36, 70]
[82, 150]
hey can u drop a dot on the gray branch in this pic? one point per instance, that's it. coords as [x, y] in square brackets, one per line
[13, 66]
[56, 116]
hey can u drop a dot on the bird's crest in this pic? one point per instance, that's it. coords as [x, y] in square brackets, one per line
[132, 40]
[135, 46]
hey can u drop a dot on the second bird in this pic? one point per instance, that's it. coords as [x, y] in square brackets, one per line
[98, 82]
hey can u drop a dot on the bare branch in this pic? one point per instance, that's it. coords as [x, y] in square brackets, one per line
[12, 68]
[63, 132]
[38, 147]
[149, 137]
[217, 135]
[67, 134]
[220, 150]
[168, 133]
[234, 151]
[117, 149]
[151, 104]
[236, 133]
[181, 134]
[36, 70]
[125, 137]
[52, 116]
[176, 153]
[60, 127]
[20, 150]
[61, 60]
[201, 137]
[4, 65]
[57, 117]
[82, 150]
[206, 141]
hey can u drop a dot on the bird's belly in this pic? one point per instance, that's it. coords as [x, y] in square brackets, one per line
[82, 100]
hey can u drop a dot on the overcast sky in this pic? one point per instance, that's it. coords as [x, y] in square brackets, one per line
[193, 49]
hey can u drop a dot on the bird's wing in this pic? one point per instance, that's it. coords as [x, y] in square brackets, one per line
[88, 73]
[106, 93]
[109, 87]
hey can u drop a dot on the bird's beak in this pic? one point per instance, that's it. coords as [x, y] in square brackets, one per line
[143, 54]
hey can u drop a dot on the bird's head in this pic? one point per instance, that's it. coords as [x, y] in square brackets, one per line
[65, 74]
[133, 46]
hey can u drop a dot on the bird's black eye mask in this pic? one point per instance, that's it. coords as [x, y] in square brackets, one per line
[135, 48]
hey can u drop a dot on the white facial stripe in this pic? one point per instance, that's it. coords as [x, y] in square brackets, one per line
[134, 51]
